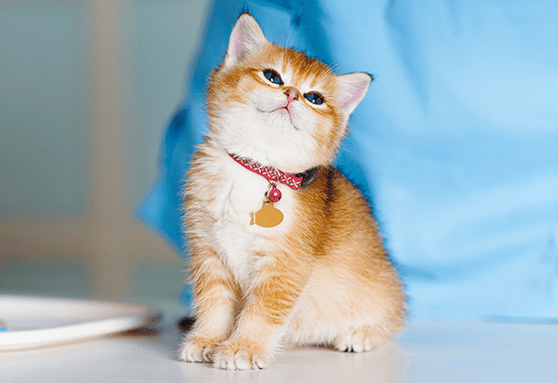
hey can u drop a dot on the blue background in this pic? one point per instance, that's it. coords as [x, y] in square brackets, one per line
[455, 143]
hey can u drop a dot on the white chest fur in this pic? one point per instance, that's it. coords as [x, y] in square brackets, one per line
[237, 192]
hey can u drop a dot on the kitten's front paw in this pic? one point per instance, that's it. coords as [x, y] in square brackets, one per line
[233, 355]
[197, 349]
[359, 340]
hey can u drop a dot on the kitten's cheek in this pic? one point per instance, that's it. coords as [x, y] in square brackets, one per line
[302, 121]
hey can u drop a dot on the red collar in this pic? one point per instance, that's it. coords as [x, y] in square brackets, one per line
[294, 181]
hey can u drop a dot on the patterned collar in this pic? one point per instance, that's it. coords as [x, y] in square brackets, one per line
[294, 181]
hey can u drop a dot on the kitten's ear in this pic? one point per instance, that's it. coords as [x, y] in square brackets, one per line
[353, 89]
[246, 37]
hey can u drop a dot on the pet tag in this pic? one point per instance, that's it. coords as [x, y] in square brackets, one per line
[267, 216]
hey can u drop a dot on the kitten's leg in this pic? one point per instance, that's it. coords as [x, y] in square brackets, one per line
[216, 297]
[268, 306]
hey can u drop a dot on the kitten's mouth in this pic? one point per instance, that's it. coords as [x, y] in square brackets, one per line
[282, 110]
[285, 109]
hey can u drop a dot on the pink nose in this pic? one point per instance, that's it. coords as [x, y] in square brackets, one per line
[292, 95]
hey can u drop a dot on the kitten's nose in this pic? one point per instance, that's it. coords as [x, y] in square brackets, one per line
[292, 95]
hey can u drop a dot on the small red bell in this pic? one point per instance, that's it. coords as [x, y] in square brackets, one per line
[274, 194]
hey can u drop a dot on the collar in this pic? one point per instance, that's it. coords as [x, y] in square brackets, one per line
[273, 175]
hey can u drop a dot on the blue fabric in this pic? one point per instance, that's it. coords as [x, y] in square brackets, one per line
[455, 144]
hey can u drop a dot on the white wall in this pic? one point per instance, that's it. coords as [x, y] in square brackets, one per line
[85, 89]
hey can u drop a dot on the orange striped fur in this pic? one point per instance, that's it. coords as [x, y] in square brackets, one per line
[320, 277]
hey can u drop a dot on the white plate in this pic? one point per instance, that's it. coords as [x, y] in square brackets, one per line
[36, 322]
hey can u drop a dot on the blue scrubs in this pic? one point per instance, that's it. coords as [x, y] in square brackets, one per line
[455, 144]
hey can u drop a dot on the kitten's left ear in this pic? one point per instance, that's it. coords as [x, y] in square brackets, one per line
[246, 37]
[353, 89]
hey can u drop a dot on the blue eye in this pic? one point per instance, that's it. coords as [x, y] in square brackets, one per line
[314, 98]
[273, 76]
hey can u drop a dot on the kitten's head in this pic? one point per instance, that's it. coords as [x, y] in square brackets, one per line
[278, 106]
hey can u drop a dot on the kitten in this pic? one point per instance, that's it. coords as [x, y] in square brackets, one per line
[284, 249]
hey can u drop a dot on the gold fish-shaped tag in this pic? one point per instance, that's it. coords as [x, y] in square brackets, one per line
[267, 216]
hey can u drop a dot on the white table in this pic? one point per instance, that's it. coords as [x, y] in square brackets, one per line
[428, 351]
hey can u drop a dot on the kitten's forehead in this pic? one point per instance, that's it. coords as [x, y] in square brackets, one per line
[298, 69]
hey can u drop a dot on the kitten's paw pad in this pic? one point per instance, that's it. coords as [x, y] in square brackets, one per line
[196, 349]
[359, 340]
[239, 356]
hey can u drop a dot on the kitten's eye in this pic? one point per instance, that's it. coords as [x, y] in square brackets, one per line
[314, 98]
[273, 76]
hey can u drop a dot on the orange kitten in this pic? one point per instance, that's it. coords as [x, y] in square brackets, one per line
[284, 249]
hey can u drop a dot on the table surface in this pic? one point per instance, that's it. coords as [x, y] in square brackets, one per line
[427, 351]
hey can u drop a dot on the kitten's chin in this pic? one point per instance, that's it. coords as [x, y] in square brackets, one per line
[271, 139]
